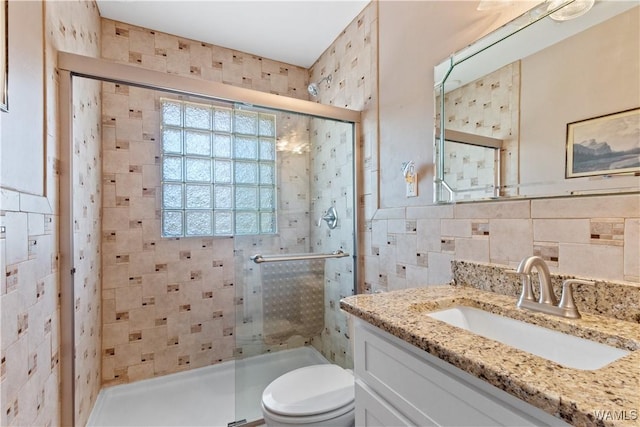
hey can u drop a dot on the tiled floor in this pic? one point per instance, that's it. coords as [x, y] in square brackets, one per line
[200, 397]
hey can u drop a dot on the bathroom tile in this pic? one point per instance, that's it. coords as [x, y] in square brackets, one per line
[371, 269]
[473, 249]
[379, 232]
[561, 230]
[406, 249]
[114, 105]
[584, 207]
[16, 362]
[9, 200]
[607, 231]
[129, 184]
[390, 213]
[455, 227]
[115, 219]
[395, 283]
[9, 319]
[140, 371]
[510, 240]
[428, 235]
[36, 204]
[141, 41]
[439, 271]
[493, 210]
[3, 268]
[129, 297]
[387, 260]
[115, 334]
[632, 250]
[36, 224]
[416, 276]
[396, 226]
[549, 252]
[17, 243]
[596, 261]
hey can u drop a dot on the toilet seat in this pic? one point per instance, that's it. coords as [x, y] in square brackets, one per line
[309, 419]
[310, 394]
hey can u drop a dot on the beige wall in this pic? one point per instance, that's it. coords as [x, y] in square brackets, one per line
[29, 253]
[606, 60]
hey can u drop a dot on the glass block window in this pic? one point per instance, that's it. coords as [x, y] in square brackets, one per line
[218, 170]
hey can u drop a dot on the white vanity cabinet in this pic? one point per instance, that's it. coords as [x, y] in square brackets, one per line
[398, 384]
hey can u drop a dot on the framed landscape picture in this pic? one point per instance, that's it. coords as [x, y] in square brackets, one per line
[604, 145]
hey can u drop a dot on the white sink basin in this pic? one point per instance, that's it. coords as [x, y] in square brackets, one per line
[567, 350]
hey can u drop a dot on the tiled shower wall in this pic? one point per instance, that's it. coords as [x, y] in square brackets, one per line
[170, 304]
[29, 253]
[293, 198]
[352, 62]
[87, 215]
[332, 178]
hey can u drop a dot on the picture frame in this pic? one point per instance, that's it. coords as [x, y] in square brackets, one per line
[4, 55]
[604, 145]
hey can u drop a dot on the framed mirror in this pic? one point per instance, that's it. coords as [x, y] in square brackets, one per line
[544, 106]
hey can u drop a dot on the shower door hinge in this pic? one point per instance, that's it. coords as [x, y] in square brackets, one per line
[237, 423]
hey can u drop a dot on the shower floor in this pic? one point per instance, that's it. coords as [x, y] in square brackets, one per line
[199, 397]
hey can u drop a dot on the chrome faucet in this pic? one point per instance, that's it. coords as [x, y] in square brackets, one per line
[547, 301]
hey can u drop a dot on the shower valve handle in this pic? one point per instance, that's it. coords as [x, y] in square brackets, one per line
[330, 217]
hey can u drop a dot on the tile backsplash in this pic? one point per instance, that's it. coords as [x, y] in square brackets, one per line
[561, 230]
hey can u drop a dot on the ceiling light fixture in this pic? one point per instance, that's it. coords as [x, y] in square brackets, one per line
[570, 10]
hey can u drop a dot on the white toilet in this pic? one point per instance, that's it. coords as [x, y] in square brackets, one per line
[318, 395]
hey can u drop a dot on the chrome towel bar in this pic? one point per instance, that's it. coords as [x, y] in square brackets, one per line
[258, 259]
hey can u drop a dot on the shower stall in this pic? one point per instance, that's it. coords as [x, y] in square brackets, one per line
[228, 233]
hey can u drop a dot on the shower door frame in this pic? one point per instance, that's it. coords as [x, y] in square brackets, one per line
[73, 65]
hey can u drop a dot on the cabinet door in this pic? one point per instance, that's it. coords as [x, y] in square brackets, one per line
[373, 411]
[429, 391]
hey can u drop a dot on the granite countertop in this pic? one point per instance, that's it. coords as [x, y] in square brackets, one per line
[571, 394]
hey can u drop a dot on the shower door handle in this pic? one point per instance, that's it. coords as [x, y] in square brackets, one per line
[259, 259]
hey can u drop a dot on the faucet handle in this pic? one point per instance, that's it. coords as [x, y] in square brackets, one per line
[566, 301]
[527, 289]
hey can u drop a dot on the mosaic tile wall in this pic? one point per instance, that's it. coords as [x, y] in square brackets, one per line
[352, 62]
[29, 257]
[75, 27]
[169, 304]
[87, 240]
[414, 246]
[332, 177]
[487, 107]
[170, 54]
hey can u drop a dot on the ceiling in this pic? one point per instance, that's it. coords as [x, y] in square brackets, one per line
[295, 31]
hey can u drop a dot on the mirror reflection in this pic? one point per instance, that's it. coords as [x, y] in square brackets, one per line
[525, 111]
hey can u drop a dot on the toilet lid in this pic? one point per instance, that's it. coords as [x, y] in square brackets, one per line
[310, 390]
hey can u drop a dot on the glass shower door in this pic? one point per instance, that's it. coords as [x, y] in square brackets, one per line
[287, 308]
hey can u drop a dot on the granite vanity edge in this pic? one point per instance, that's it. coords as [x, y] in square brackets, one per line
[562, 405]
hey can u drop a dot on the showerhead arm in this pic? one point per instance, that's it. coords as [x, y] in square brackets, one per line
[313, 87]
